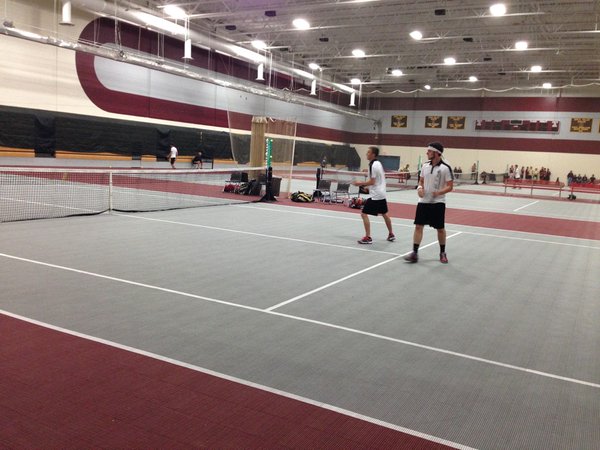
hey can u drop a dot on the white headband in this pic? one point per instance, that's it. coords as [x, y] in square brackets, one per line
[434, 149]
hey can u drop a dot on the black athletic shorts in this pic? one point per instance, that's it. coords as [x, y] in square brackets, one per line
[375, 207]
[432, 214]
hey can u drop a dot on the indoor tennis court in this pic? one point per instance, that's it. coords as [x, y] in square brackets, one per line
[497, 349]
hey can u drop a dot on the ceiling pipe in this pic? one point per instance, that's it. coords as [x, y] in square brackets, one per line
[7, 28]
[139, 18]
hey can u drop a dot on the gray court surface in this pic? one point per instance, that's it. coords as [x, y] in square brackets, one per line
[496, 350]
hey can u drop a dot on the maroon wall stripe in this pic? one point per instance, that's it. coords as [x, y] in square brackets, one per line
[485, 104]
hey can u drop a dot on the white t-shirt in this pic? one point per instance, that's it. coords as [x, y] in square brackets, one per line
[377, 190]
[435, 178]
[173, 153]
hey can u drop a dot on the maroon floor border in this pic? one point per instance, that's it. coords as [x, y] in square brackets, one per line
[62, 391]
[514, 222]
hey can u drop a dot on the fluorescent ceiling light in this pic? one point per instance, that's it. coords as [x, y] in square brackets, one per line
[427, 87]
[396, 72]
[416, 35]
[499, 9]
[521, 45]
[175, 12]
[449, 61]
[472, 78]
[536, 68]
[161, 24]
[314, 66]
[358, 53]
[301, 24]
[547, 85]
[355, 81]
[259, 45]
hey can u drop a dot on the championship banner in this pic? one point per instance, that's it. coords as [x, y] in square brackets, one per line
[456, 123]
[518, 125]
[581, 125]
[433, 121]
[399, 121]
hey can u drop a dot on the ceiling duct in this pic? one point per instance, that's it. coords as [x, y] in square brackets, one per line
[140, 18]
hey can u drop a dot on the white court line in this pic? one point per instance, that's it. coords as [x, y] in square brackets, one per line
[352, 275]
[315, 322]
[541, 241]
[250, 233]
[525, 206]
[241, 381]
[294, 210]
[452, 225]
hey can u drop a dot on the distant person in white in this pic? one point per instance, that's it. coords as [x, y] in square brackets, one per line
[377, 203]
[173, 156]
[435, 182]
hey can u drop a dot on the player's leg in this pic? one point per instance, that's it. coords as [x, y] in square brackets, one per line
[441, 231]
[367, 224]
[388, 224]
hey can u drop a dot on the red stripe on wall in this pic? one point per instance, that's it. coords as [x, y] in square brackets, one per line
[485, 104]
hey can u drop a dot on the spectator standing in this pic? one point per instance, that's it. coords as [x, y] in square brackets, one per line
[173, 156]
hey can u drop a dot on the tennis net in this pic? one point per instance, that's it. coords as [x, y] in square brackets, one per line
[41, 193]
[395, 181]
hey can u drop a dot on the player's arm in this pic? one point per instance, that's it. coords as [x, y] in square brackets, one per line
[449, 186]
[368, 182]
[420, 188]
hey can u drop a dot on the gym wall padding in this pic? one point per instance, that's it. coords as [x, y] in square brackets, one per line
[47, 131]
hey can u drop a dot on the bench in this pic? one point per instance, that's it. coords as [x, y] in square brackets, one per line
[585, 188]
[534, 184]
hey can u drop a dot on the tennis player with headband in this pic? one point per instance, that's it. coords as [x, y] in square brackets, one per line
[435, 182]
[376, 204]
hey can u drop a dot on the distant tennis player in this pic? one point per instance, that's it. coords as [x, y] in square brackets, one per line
[173, 156]
[377, 203]
[435, 182]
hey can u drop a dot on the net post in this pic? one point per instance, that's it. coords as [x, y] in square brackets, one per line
[477, 173]
[110, 191]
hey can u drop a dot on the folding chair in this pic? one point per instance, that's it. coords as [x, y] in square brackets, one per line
[341, 191]
[324, 187]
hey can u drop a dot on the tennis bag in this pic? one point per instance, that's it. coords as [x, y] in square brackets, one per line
[301, 197]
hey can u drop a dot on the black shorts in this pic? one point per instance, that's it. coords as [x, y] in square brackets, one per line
[375, 207]
[172, 160]
[432, 214]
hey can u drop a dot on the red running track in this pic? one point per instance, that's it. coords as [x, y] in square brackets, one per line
[62, 391]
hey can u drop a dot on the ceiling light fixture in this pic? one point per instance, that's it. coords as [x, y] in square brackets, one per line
[416, 35]
[497, 10]
[547, 85]
[536, 68]
[427, 87]
[314, 66]
[357, 52]
[472, 78]
[259, 45]
[260, 72]
[397, 72]
[301, 24]
[449, 61]
[66, 14]
[355, 81]
[521, 45]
